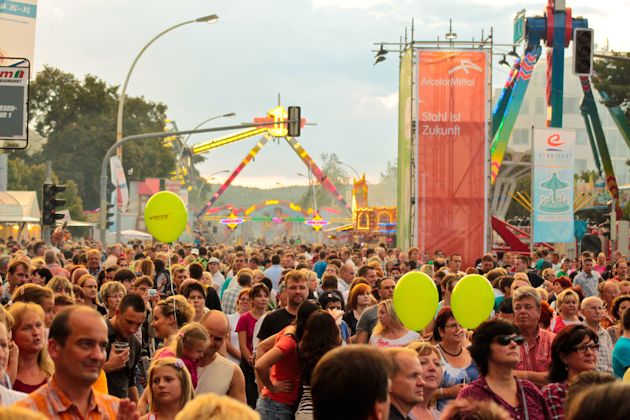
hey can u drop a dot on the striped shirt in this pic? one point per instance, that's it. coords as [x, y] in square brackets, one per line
[53, 403]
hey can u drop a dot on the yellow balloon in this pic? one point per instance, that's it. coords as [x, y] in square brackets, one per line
[415, 300]
[472, 301]
[165, 216]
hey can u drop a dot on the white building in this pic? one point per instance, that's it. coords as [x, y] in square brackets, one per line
[534, 111]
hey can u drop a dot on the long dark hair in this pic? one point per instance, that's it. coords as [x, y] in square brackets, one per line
[304, 311]
[321, 336]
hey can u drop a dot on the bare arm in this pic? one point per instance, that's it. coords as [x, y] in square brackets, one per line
[264, 363]
[362, 337]
[232, 349]
[539, 379]
[265, 345]
[237, 386]
[242, 343]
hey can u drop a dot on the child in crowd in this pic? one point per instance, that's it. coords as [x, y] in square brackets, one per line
[191, 342]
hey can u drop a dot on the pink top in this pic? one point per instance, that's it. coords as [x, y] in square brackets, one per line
[190, 365]
[536, 356]
[246, 323]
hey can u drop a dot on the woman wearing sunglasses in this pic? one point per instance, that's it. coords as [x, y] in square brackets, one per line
[573, 350]
[495, 351]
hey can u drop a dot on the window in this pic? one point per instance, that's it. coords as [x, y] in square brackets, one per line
[581, 137]
[541, 106]
[525, 107]
[520, 137]
[571, 106]
[580, 165]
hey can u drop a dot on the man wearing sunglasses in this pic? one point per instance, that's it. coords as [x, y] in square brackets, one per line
[536, 349]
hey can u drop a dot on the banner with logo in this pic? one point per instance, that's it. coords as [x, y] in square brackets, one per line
[13, 103]
[17, 29]
[119, 181]
[405, 118]
[552, 184]
[452, 165]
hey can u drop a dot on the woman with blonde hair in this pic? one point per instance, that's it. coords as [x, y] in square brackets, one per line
[568, 305]
[61, 286]
[112, 293]
[432, 373]
[43, 296]
[169, 388]
[34, 364]
[169, 315]
[88, 283]
[389, 331]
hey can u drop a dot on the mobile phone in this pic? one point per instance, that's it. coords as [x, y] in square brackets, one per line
[153, 292]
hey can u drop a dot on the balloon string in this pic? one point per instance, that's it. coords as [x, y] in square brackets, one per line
[172, 279]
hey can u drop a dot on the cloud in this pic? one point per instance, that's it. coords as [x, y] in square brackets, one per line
[388, 101]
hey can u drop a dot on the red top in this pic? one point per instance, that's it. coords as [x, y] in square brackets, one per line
[536, 356]
[246, 323]
[285, 369]
[536, 408]
[26, 388]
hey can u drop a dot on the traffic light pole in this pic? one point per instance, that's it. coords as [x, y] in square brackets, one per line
[160, 135]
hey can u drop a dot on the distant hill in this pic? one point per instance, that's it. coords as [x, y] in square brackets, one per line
[378, 195]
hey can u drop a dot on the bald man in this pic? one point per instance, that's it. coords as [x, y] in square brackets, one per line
[216, 373]
[592, 309]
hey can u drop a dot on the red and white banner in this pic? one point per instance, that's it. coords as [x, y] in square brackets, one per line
[452, 170]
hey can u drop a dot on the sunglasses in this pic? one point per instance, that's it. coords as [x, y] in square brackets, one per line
[505, 340]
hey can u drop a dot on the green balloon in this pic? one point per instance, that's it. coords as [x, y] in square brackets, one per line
[472, 301]
[165, 216]
[415, 300]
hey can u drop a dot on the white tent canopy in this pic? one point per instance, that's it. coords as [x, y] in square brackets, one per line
[19, 207]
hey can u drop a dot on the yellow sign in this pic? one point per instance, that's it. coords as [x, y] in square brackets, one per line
[280, 116]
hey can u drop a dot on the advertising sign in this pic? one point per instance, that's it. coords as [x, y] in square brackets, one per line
[452, 165]
[552, 184]
[17, 29]
[405, 118]
[13, 103]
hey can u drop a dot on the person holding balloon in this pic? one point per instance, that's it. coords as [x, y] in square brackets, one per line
[457, 363]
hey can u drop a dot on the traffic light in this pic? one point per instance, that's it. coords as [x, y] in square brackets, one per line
[109, 216]
[51, 202]
[583, 47]
[295, 121]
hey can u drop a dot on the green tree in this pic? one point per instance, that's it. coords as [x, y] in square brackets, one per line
[613, 78]
[333, 170]
[23, 176]
[78, 120]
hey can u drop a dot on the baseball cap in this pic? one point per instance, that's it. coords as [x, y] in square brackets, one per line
[194, 251]
[213, 260]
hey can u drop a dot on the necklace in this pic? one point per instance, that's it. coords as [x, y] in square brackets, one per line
[451, 354]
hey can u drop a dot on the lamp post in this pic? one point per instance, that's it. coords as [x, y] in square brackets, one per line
[312, 184]
[210, 178]
[121, 101]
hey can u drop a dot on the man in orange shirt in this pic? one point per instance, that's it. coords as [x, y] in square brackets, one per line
[77, 342]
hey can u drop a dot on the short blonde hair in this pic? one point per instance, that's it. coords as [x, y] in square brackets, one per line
[423, 348]
[18, 311]
[216, 407]
[110, 288]
[188, 393]
[563, 295]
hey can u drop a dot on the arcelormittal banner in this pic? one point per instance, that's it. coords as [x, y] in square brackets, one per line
[552, 184]
[452, 169]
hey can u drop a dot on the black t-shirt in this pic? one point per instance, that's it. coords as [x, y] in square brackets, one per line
[212, 299]
[119, 381]
[274, 322]
[534, 279]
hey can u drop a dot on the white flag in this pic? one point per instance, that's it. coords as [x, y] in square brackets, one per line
[119, 181]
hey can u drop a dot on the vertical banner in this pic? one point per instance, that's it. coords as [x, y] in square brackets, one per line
[552, 184]
[119, 180]
[405, 118]
[453, 113]
[17, 29]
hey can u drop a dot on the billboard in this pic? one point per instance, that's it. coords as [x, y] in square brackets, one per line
[552, 184]
[452, 165]
[17, 29]
[405, 118]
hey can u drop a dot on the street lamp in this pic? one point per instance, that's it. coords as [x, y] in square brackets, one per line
[353, 170]
[208, 179]
[312, 184]
[121, 102]
[185, 141]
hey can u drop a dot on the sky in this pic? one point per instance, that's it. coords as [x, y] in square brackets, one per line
[317, 54]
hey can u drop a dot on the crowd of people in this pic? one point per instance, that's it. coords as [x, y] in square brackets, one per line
[155, 331]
